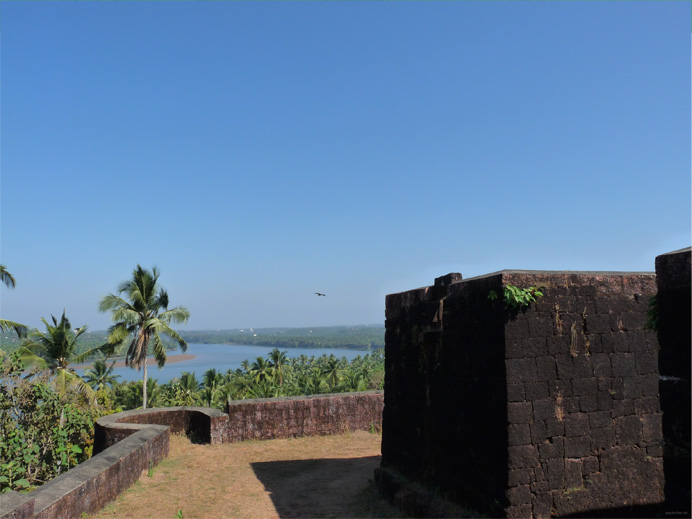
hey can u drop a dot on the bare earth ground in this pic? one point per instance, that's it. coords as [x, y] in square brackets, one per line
[325, 476]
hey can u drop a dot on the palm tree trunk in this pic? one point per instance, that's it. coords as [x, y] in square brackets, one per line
[144, 386]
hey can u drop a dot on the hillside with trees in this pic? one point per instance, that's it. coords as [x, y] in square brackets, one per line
[359, 337]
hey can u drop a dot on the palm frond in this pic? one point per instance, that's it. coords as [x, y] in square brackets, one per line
[127, 315]
[29, 358]
[163, 328]
[107, 349]
[118, 333]
[162, 299]
[7, 278]
[179, 314]
[159, 349]
[112, 301]
[8, 326]
[66, 379]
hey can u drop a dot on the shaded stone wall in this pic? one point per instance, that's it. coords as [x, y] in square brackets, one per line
[675, 337]
[552, 410]
[445, 406]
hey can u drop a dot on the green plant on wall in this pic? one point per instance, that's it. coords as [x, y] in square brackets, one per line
[516, 297]
[652, 314]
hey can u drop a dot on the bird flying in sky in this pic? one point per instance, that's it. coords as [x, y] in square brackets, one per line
[325, 295]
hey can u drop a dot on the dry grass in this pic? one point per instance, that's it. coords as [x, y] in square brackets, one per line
[328, 476]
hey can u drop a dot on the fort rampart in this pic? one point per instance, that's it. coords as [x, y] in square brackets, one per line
[673, 273]
[128, 443]
[546, 410]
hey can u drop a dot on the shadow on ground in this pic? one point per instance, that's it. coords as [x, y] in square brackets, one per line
[324, 488]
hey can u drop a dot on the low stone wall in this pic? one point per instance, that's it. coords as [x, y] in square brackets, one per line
[303, 416]
[128, 443]
[89, 486]
[200, 423]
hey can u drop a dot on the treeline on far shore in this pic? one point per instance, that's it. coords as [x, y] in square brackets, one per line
[360, 337]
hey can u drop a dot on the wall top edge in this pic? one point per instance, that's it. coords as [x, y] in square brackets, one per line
[679, 251]
[570, 273]
[352, 394]
[113, 419]
[505, 272]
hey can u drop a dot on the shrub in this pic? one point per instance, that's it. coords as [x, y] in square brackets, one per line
[41, 433]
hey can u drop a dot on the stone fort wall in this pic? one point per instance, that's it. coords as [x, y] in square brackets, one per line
[552, 410]
[673, 273]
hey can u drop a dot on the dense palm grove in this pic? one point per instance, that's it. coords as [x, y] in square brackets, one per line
[273, 376]
[47, 411]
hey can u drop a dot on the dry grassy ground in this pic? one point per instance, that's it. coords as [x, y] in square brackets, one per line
[327, 476]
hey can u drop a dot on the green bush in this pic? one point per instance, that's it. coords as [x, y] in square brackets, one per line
[41, 433]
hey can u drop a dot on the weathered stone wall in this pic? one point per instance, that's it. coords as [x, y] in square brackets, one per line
[675, 337]
[445, 406]
[201, 423]
[552, 410]
[89, 486]
[127, 443]
[314, 415]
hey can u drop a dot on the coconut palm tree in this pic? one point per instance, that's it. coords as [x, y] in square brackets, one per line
[100, 375]
[234, 390]
[188, 381]
[332, 371]
[354, 381]
[278, 363]
[212, 379]
[263, 389]
[55, 349]
[8, 280]
[260, 370]
[143, 314]
[187, 389]
[154, 392]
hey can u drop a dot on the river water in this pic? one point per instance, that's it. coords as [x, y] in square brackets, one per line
[222, 357]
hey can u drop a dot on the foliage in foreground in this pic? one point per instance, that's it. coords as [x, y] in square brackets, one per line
[42, 433]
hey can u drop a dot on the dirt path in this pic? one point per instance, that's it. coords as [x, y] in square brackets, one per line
[327, 476]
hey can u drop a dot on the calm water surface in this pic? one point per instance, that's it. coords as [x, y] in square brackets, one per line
[222, 357]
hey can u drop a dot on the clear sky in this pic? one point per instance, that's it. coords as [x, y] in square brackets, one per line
[257, 152]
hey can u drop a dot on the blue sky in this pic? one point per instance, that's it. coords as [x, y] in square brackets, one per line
[257, 152]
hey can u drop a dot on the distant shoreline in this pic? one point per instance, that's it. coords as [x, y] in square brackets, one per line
[151, 361]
